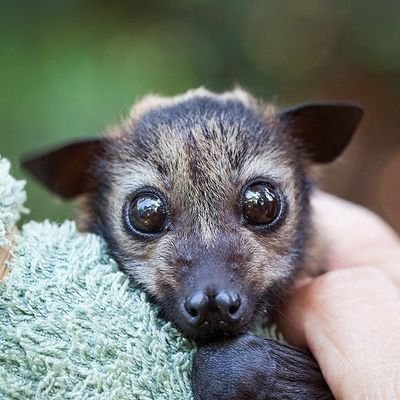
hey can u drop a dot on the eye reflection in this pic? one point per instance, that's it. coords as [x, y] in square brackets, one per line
[147, 213]
[260, 204]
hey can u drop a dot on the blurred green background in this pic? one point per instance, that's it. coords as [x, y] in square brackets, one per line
[70, 68]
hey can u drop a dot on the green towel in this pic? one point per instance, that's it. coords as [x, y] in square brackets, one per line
[72, 326]
[12, 198]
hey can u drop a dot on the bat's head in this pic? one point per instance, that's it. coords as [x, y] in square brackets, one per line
[203, 199]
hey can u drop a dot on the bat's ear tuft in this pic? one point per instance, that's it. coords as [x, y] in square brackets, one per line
[322, 129]
[66, 170]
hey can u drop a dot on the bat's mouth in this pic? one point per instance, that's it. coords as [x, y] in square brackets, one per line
[214, 326]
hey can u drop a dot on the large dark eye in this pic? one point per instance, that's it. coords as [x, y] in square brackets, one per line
[147, 213]
[260, 204]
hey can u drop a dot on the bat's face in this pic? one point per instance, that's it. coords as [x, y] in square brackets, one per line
[204, 201]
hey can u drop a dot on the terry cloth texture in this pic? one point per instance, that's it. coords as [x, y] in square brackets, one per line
[72, 326]
[12, 198]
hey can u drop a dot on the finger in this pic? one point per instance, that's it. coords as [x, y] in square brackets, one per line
[350, 321]
[355, 236]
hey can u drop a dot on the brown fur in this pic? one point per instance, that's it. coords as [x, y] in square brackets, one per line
[199, 151]
[201, 168]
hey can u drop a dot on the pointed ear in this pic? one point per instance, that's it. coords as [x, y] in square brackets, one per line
[65, 170]
[322, 129]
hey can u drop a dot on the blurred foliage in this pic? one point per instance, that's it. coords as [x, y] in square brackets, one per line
[70, 68]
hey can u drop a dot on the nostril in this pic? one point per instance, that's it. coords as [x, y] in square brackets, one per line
[228, 304]
[196, 307]
[192, 311]
[233, 309]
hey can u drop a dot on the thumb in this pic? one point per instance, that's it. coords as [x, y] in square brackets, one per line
[350, 321]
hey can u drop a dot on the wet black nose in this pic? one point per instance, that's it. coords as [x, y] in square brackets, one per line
[224, 306]
[228, 304]
[196, 308]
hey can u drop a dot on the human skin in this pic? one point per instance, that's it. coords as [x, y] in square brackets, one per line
[350, 317]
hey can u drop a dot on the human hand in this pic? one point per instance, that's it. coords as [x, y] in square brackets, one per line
[350, 317]
[356, 236]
